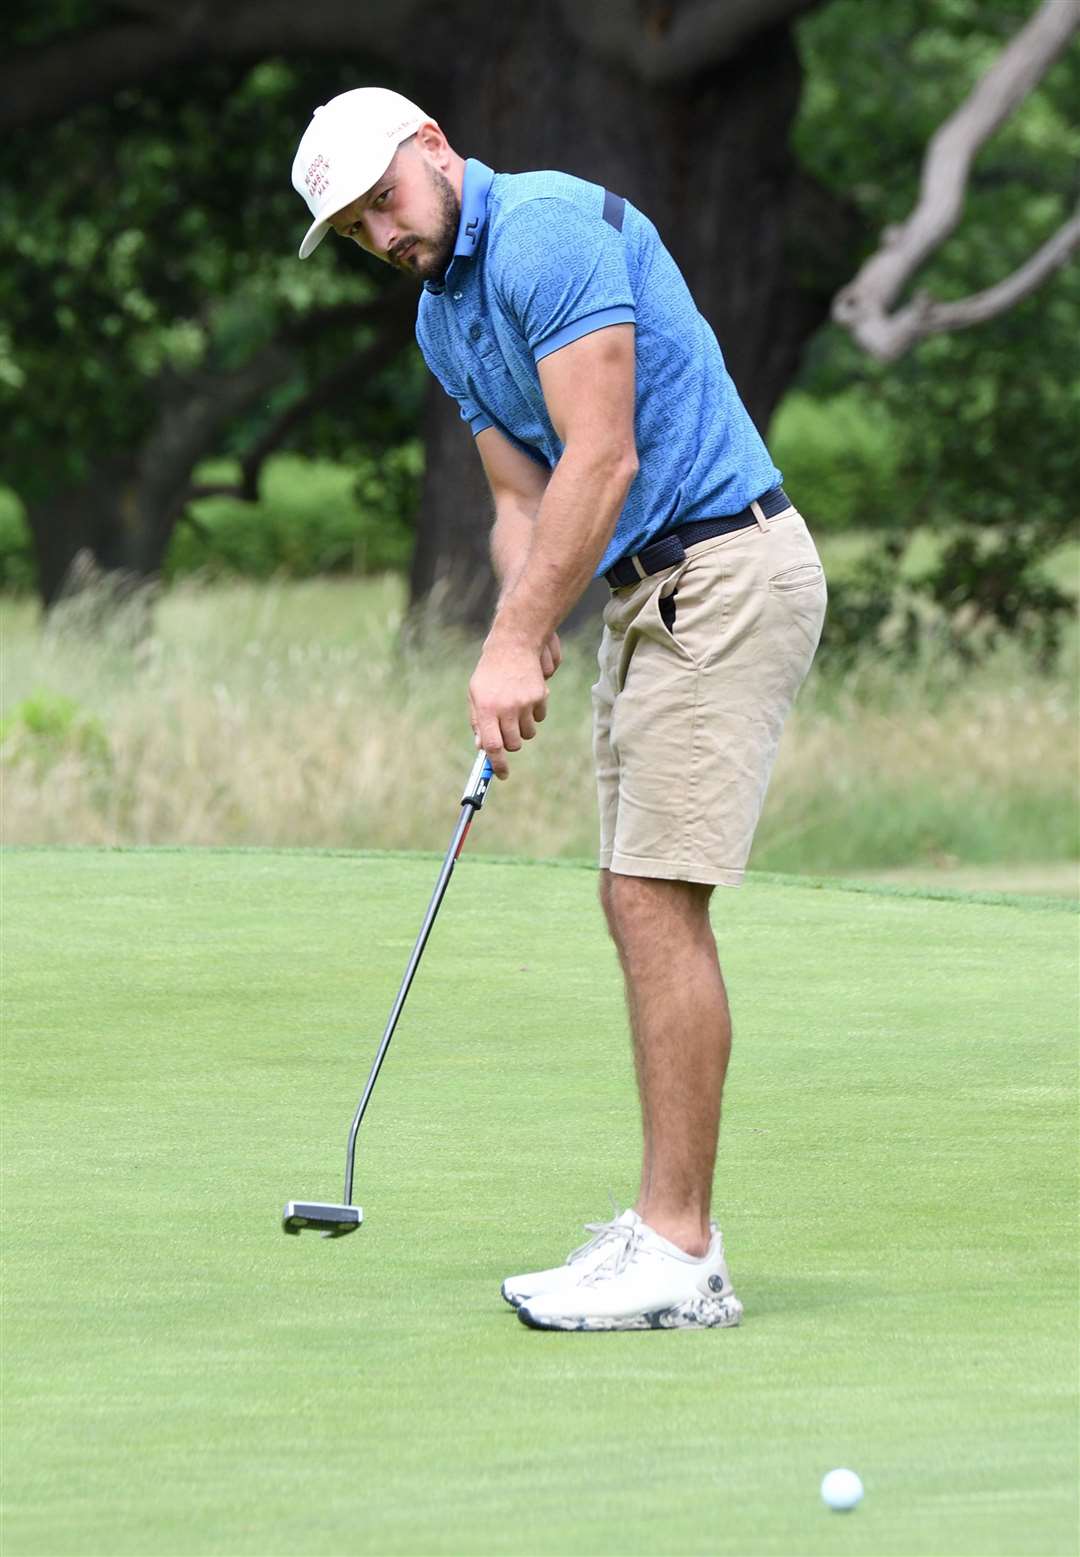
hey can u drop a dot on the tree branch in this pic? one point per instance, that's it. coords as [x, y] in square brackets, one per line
[864, 303]
[662, 41]
[889, 336]
[658, 40]
[200, 489]
[165, 488]
[396, 329]
[49, 82]
[157, 10]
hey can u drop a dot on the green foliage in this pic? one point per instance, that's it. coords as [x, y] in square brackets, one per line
[312, 517]
[16, 556]
[165, 258]
[840, 460]
[982, 422]
[977, 588]
[167, 252]
[48, 725]
[882, 75]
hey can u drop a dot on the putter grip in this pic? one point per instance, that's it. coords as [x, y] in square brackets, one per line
[479, 779]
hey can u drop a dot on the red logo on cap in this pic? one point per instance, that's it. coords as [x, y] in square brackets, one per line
[317, 177]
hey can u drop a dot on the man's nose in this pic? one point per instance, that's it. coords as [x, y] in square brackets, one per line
[382, 234]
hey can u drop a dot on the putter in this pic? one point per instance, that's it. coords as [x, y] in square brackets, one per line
[335, 1221]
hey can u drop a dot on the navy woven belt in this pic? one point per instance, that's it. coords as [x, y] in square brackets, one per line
[671, 548]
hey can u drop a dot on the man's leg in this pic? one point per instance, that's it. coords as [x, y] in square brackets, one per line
[681, 1030]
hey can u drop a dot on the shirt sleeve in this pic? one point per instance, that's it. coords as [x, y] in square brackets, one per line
[470, 411]
[561, 273]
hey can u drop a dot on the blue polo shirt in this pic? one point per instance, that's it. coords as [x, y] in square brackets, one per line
[542, 259]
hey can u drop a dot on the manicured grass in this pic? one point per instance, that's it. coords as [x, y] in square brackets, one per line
[186, 1036]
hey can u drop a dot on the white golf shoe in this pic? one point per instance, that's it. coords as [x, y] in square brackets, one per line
[640, 1281]
[607, 1235]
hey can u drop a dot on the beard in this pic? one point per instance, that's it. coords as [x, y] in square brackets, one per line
[432, 264]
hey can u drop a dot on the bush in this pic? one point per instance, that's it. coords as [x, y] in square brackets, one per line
[841, 461]
[948, 592]
[17, 571]
[49, 725]
[312, 517]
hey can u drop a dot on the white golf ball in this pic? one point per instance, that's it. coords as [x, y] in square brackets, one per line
[842, 1490]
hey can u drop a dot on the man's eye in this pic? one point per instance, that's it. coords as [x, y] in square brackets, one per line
[378, 200]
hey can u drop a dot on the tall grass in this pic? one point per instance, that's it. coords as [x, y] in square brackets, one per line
[294, 714]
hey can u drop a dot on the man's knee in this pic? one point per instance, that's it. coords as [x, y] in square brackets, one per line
[644, 905]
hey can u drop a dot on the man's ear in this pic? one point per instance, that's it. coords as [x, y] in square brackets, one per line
[430, 138]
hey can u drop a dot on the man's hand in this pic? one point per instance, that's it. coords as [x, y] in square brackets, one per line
[508, 696]
[551, 656]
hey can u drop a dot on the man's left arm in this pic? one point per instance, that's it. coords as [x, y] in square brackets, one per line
[588, 389]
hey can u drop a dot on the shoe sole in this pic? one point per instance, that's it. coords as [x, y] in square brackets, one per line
[701, 1313]
[514, 1302]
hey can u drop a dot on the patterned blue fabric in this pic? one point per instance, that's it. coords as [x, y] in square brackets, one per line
[535, 267]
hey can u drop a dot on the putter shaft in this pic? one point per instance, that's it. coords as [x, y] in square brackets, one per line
[471, 801]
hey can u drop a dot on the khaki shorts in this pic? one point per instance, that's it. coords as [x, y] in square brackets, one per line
[699, 665]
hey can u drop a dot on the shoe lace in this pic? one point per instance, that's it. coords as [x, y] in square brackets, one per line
[602, 1232]
[623, 1240]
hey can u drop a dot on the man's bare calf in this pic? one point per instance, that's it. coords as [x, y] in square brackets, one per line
[681, 1028]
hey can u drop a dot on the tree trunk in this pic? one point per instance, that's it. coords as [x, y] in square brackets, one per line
[708, 160]
[451, 578]
[92, 525]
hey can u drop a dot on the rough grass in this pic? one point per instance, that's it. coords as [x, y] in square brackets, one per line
[291, 714]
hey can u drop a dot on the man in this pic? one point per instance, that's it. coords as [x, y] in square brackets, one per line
[615, 445]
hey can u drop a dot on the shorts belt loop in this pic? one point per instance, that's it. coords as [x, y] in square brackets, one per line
[759, 514]
[638, 569]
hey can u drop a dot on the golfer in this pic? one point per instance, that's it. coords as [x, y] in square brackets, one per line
[615, 445]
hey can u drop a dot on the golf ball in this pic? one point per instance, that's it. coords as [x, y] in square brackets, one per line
[842, 1490]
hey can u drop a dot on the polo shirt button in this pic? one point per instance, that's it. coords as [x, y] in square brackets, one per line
[474, 332]
[457, 297]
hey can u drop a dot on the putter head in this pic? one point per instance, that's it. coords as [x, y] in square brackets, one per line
[332, 1221]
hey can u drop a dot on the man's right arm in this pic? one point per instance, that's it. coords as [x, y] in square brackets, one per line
[517, 484]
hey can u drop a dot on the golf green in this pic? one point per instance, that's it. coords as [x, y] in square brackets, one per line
[186, 1035]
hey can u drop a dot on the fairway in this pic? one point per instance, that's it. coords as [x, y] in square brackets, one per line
[186, 1034]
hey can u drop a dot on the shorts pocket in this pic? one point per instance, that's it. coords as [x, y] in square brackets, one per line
[803, 576]
[672, 623]
[668, 608]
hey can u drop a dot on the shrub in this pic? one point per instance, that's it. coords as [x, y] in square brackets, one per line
[17, 571]
[841, 462]
[47, 726]
[312, 517]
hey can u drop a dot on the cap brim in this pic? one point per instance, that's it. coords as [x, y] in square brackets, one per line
[313, 237]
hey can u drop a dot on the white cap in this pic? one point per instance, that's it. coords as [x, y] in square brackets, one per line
[346, 148]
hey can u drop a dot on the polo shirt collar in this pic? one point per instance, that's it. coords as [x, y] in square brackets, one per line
[474, 207]
[475, 188]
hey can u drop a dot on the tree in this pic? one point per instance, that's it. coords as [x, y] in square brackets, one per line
[980, 422]
[703, 149]
[862, 305]
[686, 108]
[149, 320]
